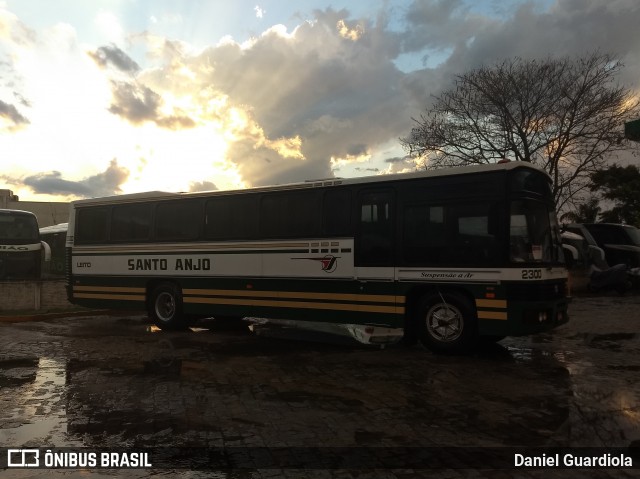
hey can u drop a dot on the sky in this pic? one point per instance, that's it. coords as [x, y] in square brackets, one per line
[122, 96]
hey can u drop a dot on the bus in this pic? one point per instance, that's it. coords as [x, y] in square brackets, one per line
[55, 236]
[448, 257]
[21, 250]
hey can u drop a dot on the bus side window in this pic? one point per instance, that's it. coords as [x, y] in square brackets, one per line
[131, 222]
[424, 234]
[290, 215]
[457, 234]
[232, 218]
[92, 225]
[475, 237]
[178, 220]
[336, 213]
[376, 230]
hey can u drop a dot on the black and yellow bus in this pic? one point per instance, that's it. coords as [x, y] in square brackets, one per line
[21, 251]
[446, 256]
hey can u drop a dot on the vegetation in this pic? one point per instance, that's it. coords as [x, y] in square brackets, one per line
[564, 115]
[621, 186]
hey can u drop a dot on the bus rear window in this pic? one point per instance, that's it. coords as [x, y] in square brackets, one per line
[19, 227]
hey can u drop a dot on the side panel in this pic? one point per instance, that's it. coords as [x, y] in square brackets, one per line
[304, 280]
[508, 301]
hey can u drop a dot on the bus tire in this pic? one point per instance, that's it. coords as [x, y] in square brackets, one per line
[165, 307]
[447, 322]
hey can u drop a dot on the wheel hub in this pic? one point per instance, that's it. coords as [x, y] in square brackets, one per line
[444, 323]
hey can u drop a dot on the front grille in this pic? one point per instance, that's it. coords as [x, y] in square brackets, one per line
[537, 291]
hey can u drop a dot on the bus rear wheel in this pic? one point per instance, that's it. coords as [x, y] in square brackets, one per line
[165, 307]
[446, 322]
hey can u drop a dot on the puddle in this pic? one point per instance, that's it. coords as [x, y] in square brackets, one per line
[42, 406]
[614, 342]
[603, 407]
[17, 372]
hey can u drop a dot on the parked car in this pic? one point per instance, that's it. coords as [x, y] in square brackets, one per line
[620, 243]
[575, 249]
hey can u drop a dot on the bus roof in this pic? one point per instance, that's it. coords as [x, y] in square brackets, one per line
[59, 228]
[5, 211]
[453, 171]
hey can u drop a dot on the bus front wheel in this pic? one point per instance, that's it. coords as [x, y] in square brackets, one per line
[447, 322]
[165, 307]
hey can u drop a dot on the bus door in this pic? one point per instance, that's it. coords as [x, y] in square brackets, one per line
[375, 235]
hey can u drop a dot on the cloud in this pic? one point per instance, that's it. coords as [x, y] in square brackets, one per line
[103, 184]
[292, 103]
[13, 30]
[11, 114]
[202, 186]
[109, 25]
[330, 90]
[402, 164]
[330, 83]
[112, 55]
[566, 28]
[137, 104]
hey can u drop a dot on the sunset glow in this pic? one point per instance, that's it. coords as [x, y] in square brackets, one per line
[108, 97]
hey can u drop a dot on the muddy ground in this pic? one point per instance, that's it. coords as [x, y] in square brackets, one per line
[116, 381]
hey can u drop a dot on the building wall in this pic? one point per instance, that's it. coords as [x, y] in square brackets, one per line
[39, 296]
[48, 213]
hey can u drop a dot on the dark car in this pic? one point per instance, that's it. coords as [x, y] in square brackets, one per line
[620, 243]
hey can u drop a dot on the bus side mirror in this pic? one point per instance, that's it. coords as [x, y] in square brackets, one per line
[47, 250]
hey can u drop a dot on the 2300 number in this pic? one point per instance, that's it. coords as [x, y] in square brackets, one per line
[531, 273]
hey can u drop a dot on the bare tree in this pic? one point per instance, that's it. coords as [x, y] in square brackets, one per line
[564, 115]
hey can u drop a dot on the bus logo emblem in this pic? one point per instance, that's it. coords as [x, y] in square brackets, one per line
[328, 263]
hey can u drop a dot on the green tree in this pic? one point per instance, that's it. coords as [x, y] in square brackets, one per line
[585, 212]
[621, 185]
[564, 115]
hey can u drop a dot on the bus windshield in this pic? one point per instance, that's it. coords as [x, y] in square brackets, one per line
[18, 229]
[534, 236]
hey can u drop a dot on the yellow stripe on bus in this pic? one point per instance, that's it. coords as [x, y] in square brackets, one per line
[492, 315]
[257, 302]
[297, 304]
[107, 293]
[117, 297]
[379, 298]
[491, 303]
[109, 289]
